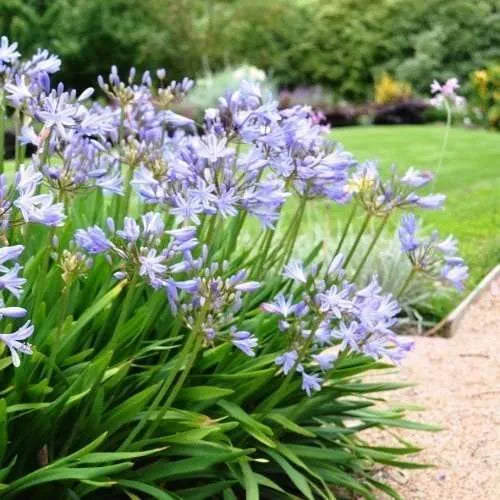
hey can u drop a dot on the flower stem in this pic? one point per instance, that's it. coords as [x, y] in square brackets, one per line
[264, 250]
[235, 232]
[444, 145]
[62, 316]
[17, 145]
[276, 397]
[288, 242]
[185, 360]
[342, 237]
[370, 248]
[407, 282]
[358, 238]
[125, 308]
[2, 130]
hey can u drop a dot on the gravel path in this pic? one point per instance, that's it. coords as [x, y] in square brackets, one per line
[459, 384]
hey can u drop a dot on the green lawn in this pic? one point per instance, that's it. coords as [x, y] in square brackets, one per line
[470, 177]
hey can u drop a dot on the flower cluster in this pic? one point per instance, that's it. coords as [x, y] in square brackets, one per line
[144, 250]
[219, 298]
[380, 197]
[11, 282]
[432, 257]
[446, 94]
[329, 322]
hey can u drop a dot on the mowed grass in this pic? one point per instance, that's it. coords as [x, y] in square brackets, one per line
[470, 178]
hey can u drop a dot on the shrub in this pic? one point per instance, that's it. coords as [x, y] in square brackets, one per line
[169, 358]
[212, 86]
[316, 96]
[341, 45]
[486, 94]
[389, 90]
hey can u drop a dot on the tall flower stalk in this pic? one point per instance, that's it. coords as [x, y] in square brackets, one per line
[445, 97]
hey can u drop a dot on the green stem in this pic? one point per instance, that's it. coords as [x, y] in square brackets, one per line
[182, 360]
[209, 237]
[407, 282]
[159, 397]
[235, 232]
[289, 244]
[125, 307]
[62, 316]
[117, 200]
[198, 342]
[358, 239]
[17, 145]
[267, 405]
[444, 145]
[41, 285]
[2, 130]
[264, 250]
[343, 236]
[125, 200]
[370, 248]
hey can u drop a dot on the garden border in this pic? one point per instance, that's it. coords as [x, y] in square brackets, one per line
[448, 326]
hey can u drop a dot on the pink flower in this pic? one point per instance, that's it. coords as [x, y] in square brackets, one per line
[446, 92]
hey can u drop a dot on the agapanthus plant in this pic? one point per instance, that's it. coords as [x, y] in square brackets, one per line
[170, 358]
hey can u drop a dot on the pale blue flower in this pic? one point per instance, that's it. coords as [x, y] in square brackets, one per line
[311, 383]
[12, 282]
[130, 231]
[244, 341]
[14, 341]
[287, 360]
[325, 360]
[93, 240]
[295, 271]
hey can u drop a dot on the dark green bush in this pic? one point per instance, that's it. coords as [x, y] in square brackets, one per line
[342, 44]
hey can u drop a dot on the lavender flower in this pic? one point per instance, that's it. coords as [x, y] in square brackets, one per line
[407, 233]
[245, 342]
[12, 312]
[311, 383]
[12, 282]
[287, 361]
[280, 306]
[8, 53]
[456, 275]
[435, 259]
[325, 360]
[14, 341]
[295, 271]
[93, 240]
[432, 201]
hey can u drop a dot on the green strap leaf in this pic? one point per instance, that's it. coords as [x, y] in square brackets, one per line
[297, 478]
[152, 491]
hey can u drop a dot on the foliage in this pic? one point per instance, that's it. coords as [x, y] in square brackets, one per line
[486, 97]
[316, 96]
[388, 90]
[343, 45]
[214, 85]
[170, 358]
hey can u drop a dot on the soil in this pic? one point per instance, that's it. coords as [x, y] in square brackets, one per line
[458, 381]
